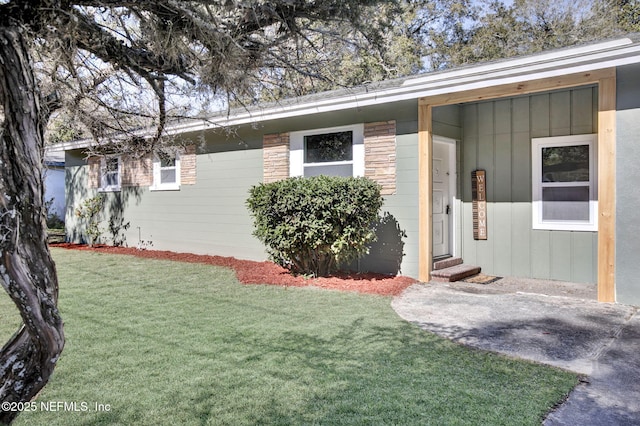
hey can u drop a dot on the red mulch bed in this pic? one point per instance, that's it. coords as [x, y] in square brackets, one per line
[251, 272]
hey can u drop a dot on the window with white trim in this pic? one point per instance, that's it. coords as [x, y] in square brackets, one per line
[166, 172]
[565, 195]
[110, 174]
[336, 151]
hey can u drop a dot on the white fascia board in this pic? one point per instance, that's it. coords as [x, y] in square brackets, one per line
[519, 78]
[563, 56]
[54, 153]
[535, 71]
[77, 144]
[557, 63]
[55, 149]
[516, 71]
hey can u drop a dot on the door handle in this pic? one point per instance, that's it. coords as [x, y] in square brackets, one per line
[448, 209]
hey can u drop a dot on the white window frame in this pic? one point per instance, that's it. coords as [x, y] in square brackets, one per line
[296, 146]
[157, 175]
[104, 187]
[537, 145]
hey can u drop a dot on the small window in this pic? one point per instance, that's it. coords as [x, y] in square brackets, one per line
[166, 173]
[333, 152]
[110, 174]
[564, 183]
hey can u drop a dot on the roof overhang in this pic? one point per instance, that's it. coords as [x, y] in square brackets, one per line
[556, 63]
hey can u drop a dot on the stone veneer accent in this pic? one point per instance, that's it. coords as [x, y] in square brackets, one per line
[380, 154]
[94, 172]
[188, 166]
[136, 171]
[275, 152]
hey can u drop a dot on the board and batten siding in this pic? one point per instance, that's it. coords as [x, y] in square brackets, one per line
[627, 188]
[497, 138]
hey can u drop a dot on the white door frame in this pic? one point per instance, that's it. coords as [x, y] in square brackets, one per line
[453, 185]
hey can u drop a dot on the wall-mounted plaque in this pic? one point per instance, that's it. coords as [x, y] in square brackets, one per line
[479, 193]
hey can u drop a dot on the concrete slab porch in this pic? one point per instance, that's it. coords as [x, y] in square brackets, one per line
[556, 323]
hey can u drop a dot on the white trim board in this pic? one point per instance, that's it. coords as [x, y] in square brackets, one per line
[556, 63]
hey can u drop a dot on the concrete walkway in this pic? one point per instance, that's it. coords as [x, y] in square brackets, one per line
[559, 324]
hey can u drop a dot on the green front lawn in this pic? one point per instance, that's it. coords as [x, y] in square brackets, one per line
[157, 342]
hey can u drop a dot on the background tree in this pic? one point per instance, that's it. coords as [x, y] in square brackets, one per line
[398, 38]
[104, 62]
[381, 47]
[628, 15]
[490, 29]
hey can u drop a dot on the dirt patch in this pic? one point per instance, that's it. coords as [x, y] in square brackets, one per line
[251, 272]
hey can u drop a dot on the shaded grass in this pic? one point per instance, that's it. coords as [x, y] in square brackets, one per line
[170, 343]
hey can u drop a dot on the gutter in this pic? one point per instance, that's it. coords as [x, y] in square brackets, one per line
[608, 54]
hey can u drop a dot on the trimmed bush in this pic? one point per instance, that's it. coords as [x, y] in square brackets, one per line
[314, 225]
[90, 211]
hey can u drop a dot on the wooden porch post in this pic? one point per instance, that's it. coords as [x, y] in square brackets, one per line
[606, 188]
[606, 80]
[425, 152]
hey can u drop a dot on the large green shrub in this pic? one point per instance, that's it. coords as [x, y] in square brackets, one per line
[313, 225]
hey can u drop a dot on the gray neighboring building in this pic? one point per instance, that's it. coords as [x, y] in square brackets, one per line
[54, 181]
[557, 135]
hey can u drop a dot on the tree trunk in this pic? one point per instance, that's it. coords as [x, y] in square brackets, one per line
[27, 271]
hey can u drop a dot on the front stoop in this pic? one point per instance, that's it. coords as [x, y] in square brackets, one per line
[454, 273]
[446, 262]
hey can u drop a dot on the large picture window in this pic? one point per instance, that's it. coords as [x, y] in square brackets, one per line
[564, 183]
[329, 153]
[335, 152]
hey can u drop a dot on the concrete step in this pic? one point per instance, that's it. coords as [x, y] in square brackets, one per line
[454, 273]
[446, 262]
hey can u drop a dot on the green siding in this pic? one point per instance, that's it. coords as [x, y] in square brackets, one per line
[403, 207]
[502, 232]
[75, 191]
[627, 188]
[497, 138]
[540, 252]
[209, 217]
[559, 112]
[520, 241]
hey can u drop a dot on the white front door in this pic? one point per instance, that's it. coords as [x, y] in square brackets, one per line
[443, 176]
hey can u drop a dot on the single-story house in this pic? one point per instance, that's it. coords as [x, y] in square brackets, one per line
[526, 167]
